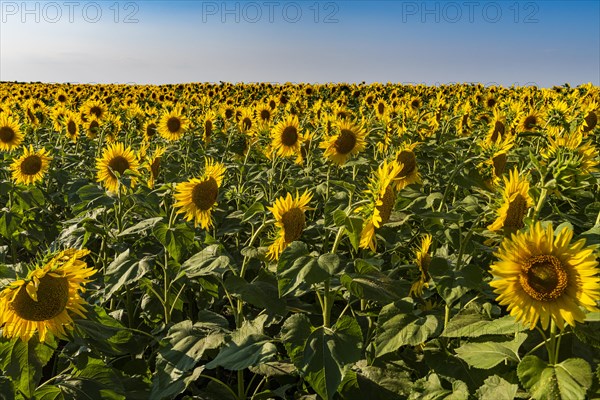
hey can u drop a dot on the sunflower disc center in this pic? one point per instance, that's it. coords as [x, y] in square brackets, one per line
[52, 294]
[71, 128]
[387, 204]
[499, 164]
[530, 122]
[151, 130]
[515, 213]
[409, 163]
[265, 115]
[97, 111]
[345, 142]
[173, 124]
[208, 128]
[6, 134]
[591, 121]
[204, 194]
[544, 278]
[293, 224]
[118, 164]
[31, 165]
[289, 136]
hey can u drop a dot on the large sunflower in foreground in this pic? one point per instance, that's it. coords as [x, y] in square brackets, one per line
[45, 300]
[115, 158]
[515, 203]
[172, 125]
[349, 139]
[383, 198]
[543, 276]
[10, 134]
[289, 214]
[198, 196]
[285, 137]
[31, 166]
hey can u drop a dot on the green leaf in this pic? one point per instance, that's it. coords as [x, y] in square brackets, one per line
[175, 239]
[179, 353]
[453, 284]
[141, 226]
[399, 327]
[496, 388]
[260, 294]
[49, 392]
[474, 324]
[23, 362]
[327, 354]
[245, 352]
[489, 354]
[208, 262]
[568, 380]
[295, 267]
[390, 381]
[104, 334]
[431, 388]
[294, 332]
[124, 271]
[254, 209]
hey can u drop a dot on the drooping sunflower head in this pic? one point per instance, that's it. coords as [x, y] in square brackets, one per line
[347, 140]
[209, 126]
[409, 173]
[150, 130]
[285, 137]
[542, 276]
[289, 216]
[382, 198]
[572, 158]
[197, 197]
[154, 165]
[10, 134]
[496, 155]
[71, 125]
[173, 124]
[116, 158]
[45, 300]
[515, 203]
[422, 259]
[30, 167]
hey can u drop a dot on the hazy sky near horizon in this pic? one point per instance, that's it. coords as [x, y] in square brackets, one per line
[153, 42]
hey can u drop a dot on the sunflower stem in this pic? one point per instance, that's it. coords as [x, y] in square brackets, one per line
[326, 305]
[540, 203]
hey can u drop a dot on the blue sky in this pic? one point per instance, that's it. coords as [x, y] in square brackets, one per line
[502, 42]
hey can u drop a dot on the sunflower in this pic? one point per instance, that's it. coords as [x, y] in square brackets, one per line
[198, 196]
[71, 122]
[264, 114]
[496, 153]
[209, 126]
[92, 128]
[530, 121]
[94, 109]
[173, 124]
[515, 203]
[574, 160]
[348, 139]
[289, 215]
[45, 300]
[591, 112]
[154, 165]
[543, 276]
[422, 259]
[150, 130]
[116, 158]
[383, 198]
[30, 167]
[10, 134]
[409, 173]
[286, 138]
[247, 121]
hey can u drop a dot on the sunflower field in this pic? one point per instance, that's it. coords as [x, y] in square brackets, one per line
[296, 241]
